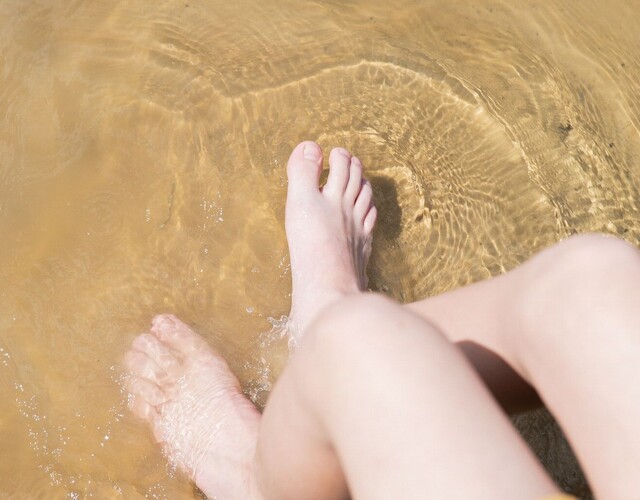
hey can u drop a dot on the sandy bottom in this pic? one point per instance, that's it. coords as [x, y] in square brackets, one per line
[142, 150]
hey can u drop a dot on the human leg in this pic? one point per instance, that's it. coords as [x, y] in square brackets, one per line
[329, 231]
[580, 347]
[567, 322]
[378, 400]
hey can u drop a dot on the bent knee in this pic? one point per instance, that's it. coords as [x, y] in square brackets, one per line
[566, 280]
[353, 315]
[358, 324]
[590, 260]
[358, 308]
[595, 251]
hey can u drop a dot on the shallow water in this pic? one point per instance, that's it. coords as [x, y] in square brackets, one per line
[142, 153]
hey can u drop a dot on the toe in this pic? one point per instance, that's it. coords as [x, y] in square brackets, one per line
[141, 409]
[158, 352]
[304, 167]
[370, 220]
[144, 389]
[363, 202]
[176, 335]
[339, 162]
[142, 366]
[355, 181]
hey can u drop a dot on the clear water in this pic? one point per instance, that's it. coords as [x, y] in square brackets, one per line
[142, 152]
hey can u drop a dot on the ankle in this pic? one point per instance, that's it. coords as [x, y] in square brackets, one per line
[306, 310]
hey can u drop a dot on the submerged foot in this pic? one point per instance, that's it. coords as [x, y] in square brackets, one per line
[329, 231]
[194, 405]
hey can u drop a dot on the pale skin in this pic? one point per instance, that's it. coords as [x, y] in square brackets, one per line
[381, 400]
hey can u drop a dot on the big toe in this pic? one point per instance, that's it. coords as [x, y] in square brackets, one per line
[304, 167]
[176, 335]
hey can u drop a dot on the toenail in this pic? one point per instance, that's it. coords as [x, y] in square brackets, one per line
[343, 152]
[163, 321]
[311, 151]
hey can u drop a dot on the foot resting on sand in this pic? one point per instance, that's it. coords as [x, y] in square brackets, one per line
[328, 231]
[195, 408]
[185, 390]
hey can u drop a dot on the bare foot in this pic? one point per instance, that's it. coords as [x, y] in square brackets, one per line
[329, 231]
[195, 407]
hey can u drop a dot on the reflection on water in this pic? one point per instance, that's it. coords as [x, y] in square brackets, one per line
[142, 153]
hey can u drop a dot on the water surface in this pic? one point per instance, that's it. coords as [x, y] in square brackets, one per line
[142, 152]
